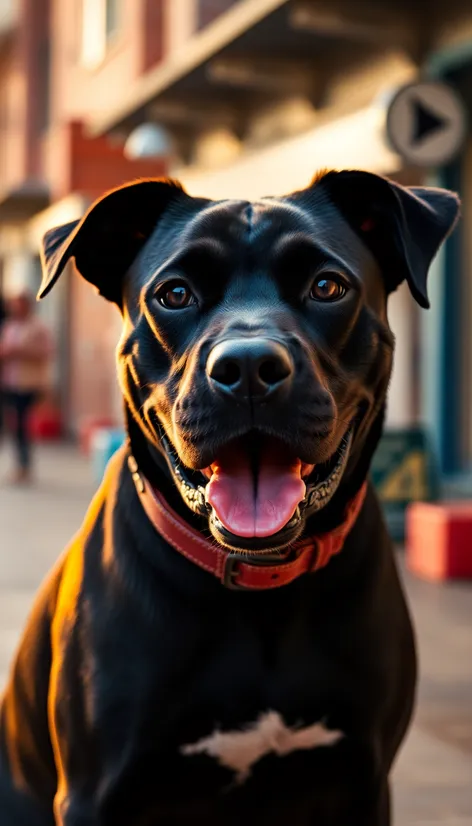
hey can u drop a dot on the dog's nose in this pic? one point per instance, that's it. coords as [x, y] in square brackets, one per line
[249, 367]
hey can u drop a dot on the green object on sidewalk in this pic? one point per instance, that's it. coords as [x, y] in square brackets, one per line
[105, 442]
[404, 471]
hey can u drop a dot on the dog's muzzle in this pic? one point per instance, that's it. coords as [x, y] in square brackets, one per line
[319, 492]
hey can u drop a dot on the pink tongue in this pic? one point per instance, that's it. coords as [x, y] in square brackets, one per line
[231, 491]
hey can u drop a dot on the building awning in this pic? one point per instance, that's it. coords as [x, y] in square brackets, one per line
[355, 141]
[67, 209]
[25, 236]
[257, 52]
[19, 203]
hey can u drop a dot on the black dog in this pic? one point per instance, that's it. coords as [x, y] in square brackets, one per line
[251, 661]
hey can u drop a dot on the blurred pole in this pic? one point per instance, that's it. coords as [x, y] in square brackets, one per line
[442, 390]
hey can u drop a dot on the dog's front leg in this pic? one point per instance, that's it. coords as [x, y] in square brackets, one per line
[17, 807]
[73, 733]
[377, 809]
[27, 769]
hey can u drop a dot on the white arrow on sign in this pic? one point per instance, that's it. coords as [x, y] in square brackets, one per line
[426, 123]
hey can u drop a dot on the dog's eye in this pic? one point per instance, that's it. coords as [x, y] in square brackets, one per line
[175, 295]
[328, 287]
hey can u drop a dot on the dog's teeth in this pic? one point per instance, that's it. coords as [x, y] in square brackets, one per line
[306, 469]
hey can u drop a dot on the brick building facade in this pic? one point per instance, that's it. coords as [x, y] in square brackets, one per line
[60, 63]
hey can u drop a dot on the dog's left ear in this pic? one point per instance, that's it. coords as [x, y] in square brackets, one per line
[105, 242]
[403, 226]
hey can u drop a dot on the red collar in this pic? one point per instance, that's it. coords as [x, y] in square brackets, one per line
[310, 554]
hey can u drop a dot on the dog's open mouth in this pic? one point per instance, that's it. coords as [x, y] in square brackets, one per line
[257, 488]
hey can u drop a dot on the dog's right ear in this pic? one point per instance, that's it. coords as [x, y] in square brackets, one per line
[105, 242]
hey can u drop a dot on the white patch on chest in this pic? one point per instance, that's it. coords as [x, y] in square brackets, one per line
[239, 750]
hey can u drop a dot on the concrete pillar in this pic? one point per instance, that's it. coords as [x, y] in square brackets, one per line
[116, 394]
[401, 314]
[19, 273]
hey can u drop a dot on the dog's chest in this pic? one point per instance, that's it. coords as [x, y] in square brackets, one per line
[241, 749]
[221, 709]
[229, 757]
[247, 708]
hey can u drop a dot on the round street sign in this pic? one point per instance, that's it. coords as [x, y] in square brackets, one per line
[426, 123]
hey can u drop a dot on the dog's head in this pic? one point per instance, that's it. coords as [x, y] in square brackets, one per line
[256, 351]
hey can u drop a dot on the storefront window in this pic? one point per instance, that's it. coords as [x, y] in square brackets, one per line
[100, 22]
[111, 17]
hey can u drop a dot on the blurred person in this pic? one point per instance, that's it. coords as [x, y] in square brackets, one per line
[25, 355]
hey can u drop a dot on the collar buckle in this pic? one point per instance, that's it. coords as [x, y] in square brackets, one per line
[234, 560]
[230, 572]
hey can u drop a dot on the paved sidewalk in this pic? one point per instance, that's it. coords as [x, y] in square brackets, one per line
[433, 776]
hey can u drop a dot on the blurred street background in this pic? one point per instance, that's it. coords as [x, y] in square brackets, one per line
[243, 98]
